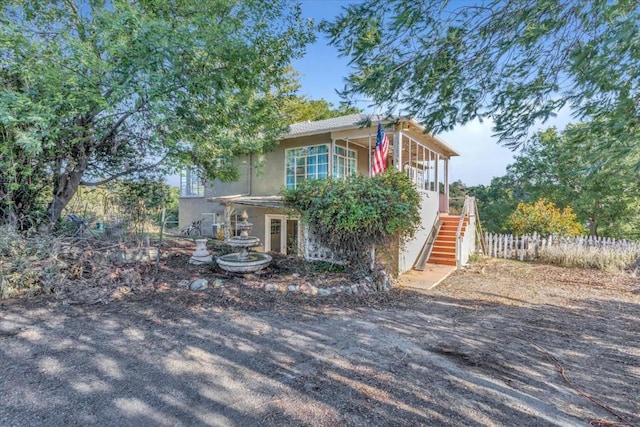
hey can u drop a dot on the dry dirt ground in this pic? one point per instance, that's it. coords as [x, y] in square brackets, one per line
[502, 343]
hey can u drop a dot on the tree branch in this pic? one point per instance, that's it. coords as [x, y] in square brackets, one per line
[124, 173]
[121, 120]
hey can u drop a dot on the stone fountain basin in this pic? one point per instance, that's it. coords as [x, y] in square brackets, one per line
[254, 261]
[243, 242]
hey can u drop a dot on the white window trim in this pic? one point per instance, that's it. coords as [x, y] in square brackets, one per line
[332, 160]
[283, 232]
[287, 150]
[186, 175]
[347, 150]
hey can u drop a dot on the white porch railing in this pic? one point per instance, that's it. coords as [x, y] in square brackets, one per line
[466, 242]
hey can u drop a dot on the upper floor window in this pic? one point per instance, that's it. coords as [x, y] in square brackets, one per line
[344, 162]
[313, 163]
[306, 163]
[191, 185]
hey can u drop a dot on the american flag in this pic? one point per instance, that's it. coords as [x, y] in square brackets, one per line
[382, 149]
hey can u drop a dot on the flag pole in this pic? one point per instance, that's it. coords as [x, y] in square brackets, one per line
[370, 155]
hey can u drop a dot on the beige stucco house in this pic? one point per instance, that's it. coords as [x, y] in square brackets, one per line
[334, 147]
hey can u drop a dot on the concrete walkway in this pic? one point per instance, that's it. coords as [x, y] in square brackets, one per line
[427, 279]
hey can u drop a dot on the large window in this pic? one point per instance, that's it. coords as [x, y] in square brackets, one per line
[306, 163]
[313, 163]
[190, 184]
[344, 162]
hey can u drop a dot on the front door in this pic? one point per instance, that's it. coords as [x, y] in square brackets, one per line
[282, 234]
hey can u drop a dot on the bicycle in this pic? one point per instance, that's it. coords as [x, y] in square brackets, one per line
[193, 228]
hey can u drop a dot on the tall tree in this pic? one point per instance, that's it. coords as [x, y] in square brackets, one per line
[515, 61]
[569, 169]
[110, 89]
[496, 202]
[301, 108]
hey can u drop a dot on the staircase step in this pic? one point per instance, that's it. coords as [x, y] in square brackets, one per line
[441, 241]
[444, 249]
[443, 255]
[452, 233]
[442, 261]
[445, 242]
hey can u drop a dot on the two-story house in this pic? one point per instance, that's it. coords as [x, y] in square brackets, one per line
[335, 147]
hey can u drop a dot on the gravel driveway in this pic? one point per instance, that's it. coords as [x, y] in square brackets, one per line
[501, 344]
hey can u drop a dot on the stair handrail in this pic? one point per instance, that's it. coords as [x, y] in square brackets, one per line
[428, 245]
[479, 232]
[463, 214]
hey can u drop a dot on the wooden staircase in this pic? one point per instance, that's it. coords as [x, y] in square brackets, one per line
[444, 248]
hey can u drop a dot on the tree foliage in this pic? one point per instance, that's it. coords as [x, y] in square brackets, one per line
[300, 109]
[515, 62]
[568, 168]
[544, 218]
[93, 91]
[353, 214]
[496, 202]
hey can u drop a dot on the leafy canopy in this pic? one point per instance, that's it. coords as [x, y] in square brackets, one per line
[568, 168]
[94, 91]
[353, 214]
[516, 62]
[544, 218]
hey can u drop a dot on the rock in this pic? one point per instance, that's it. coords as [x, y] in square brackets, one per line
[312, 290]
[199, 285]
[346, 290]
[184, 283]
[303, 287]
[323, 292]
[354, 288]
[296, 275]
[293, 288]
[218, 283]
[270, 287]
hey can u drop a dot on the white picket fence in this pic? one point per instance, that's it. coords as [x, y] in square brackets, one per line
[527, 247]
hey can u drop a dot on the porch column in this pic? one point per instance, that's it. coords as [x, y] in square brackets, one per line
[397, 150]
[446, 183]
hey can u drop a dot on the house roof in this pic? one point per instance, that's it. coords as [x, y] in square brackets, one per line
[327, 125]
[355, 121]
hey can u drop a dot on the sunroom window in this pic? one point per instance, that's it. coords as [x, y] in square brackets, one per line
[306, 163]
[344, 162]
[313, 163]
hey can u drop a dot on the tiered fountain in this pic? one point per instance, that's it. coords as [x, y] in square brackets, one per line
[243, 261]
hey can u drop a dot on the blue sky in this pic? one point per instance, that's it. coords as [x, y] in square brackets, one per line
[322, 72]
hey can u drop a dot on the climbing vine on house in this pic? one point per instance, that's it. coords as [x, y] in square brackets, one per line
[356, 213]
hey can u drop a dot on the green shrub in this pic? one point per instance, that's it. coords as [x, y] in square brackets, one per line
[352, 215]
